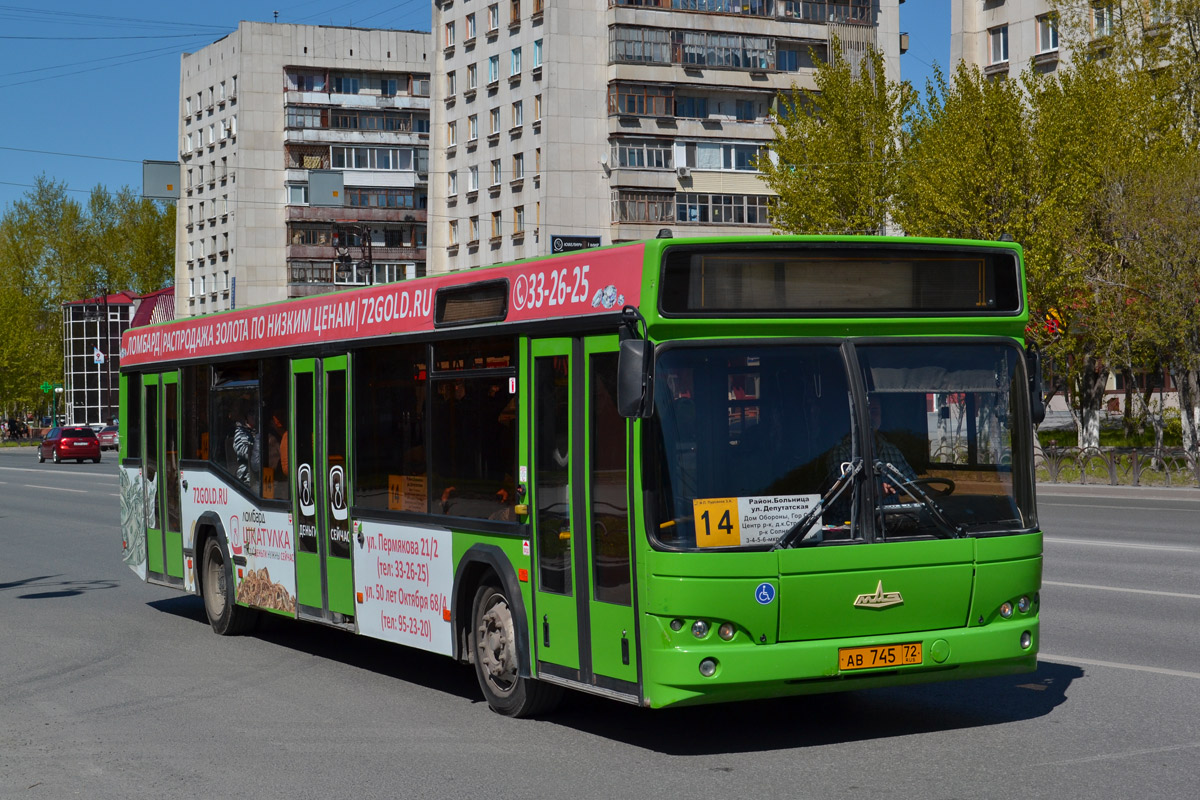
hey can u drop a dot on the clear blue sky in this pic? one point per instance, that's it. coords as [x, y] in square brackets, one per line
[101, 80]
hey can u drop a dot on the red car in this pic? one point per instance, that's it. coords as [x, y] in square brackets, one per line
[76, 441]
[110, 438]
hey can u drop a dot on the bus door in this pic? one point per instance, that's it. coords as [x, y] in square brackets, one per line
[583, 590]
[320, 488]
[159, 450]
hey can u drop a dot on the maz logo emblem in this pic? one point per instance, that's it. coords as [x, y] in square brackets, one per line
[880, 599]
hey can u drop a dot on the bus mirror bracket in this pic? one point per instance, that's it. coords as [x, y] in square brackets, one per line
[1033, 366]
[635, 367]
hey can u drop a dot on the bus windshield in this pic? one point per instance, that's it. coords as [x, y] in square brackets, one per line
[748, 439]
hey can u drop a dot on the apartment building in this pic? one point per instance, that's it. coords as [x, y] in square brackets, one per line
[260, 109]
[568, 123]
[1003, 37]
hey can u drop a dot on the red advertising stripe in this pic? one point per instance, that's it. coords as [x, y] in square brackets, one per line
[574, 284]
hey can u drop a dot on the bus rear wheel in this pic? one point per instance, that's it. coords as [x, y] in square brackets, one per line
[496, 660]
[216, 585]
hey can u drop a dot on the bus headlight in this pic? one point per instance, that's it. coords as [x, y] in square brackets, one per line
[725, 631]
[1026, 640]
[1023, 603]
[1006, 609]
[708, 667]
[676, 624]
[699, 629]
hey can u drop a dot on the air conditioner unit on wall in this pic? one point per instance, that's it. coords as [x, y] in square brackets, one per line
[683, 172]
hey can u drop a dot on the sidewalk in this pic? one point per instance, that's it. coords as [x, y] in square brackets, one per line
[1189, 493]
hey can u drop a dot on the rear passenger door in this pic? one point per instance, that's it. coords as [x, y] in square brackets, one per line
[159, 450]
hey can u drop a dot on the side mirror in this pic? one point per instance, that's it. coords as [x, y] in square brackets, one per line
[1033, 366]
[635, 379]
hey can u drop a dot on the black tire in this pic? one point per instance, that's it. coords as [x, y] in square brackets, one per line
[96, 460]
[494, 651]
[79, 461]
[41, 455]
[216, 585]
[56, 458]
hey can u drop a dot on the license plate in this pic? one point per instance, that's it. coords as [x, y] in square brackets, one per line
[891, 655]
[80, 444]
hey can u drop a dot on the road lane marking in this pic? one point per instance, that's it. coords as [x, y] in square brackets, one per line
[1124, 754]
[1056, 540]
[1179, 673]
[58, 489]
[1119, 589]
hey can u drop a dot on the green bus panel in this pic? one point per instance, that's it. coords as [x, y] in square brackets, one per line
[308, 579]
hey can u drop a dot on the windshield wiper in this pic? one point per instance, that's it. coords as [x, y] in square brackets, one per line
[850, 470]
[889, 472]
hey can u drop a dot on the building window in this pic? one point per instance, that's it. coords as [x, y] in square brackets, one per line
[494, 119]
[451, 83]
[493, 17]
[495, 172]
[642, 153]
[302, 117]
[384, 158]
[381, 197]
[344, 84]
[474, 222]
[518, 167]
[537, 108]
[652, 207]
[472, 128]
[720, 156]
[454, 232]
[518, 114]
[998, 45]
[537, 53]
[721, 209]
[519, 220]
[449, 34]
[306, 81]
[472, 77]
[514, 12]
[497, 230]
[649, 45]
[537, 161]
[187, 106]
[640, 100]
[515, 62]
[1047, 26]
[470, 27]
[221, 93]
[493, 69]
[1102, 21]
[191, 287]
[451, 134]
[473, 178]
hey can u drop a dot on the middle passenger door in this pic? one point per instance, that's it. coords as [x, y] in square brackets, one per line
[584, 623]
[318, 450]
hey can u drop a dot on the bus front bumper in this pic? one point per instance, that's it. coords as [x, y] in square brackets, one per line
[749, 671]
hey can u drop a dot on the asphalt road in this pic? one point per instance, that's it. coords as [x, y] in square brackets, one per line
[110, 688]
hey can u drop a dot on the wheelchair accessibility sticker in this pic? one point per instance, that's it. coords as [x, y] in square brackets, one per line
[764, 594]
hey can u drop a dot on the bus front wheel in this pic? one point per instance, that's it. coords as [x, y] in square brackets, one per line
[216, 584]
[496, 659]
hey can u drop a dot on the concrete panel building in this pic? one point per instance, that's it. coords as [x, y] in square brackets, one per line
[1003, 37]
[258, 110]
[566, 123]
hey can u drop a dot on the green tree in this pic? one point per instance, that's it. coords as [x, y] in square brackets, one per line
[54, 250]
[837, 149]
[966, 171]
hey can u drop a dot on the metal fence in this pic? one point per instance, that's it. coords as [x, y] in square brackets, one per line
[1117, 466]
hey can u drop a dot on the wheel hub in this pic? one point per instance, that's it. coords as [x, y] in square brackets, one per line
[495, 648]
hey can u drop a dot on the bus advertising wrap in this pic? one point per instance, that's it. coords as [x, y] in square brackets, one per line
[596, 282]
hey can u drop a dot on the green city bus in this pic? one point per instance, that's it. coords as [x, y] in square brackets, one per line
[671, 472]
